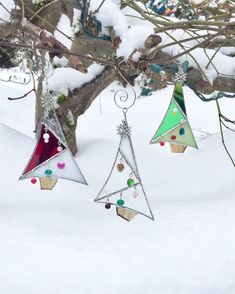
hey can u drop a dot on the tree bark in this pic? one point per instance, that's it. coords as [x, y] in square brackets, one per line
[79, 101]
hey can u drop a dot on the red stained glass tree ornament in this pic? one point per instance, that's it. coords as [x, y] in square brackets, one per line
[52, 158]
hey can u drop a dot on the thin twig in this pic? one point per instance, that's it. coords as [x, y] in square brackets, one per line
[21, 97]
[222, 134]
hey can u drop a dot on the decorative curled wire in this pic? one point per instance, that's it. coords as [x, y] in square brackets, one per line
[123, 100]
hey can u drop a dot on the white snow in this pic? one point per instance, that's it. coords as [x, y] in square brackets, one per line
[65, 27]
[68, 78]
[110, 15]
[60, 241]
[5, 9]
[134, 39]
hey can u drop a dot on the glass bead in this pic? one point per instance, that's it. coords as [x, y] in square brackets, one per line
[130, 182]
[33, 181]
[107, 206]
[135, 194]
[120, 167]
[60, 164]
[59, 148]
[48, 172]
[181, 131]
[120, 202]
[162, 143]
[46, 136]
[173, 137]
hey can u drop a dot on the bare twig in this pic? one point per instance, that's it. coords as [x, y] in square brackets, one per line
[21, 97]
[222, 134]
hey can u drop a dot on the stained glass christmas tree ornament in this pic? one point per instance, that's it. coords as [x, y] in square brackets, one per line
[126, 182]
[175, 120]
[53, 154]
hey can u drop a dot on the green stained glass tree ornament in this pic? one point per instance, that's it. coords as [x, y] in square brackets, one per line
[175, 128]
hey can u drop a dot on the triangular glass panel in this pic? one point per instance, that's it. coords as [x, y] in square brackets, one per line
[181, 134]
[172, 118]
[179, 96]
[69, 171]
[44, 151]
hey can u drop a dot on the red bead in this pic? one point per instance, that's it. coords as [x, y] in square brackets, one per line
[173, 137]
[33, 181]
[162, 143]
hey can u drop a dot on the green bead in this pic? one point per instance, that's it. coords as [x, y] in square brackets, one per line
[130, 182]
[120, 202]
[48, 172]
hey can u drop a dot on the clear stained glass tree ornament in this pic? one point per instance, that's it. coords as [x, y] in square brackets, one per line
[123, 189]
[175, 128]
[51, 158]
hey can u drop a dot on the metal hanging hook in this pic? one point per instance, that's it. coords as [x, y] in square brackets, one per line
[123, 100]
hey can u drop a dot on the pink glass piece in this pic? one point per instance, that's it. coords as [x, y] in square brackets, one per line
[42, 151]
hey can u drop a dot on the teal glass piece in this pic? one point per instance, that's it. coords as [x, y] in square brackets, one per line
[181, 131]
[172, 118]
[130, 182]
[155, 68]
[48, 172]
[179, 96]
[120, 202]
[185, 65]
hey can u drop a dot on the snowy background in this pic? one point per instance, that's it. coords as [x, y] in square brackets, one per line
[60, 241]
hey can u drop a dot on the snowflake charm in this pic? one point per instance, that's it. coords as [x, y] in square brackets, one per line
[180, 76]
[47, 101]
[124, 129]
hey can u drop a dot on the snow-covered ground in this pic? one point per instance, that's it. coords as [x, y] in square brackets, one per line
[61, 242]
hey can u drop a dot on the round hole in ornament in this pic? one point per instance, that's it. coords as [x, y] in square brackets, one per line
[60, 164]
[48, 172]
[33, 181]
[120, 202]
[107, 205]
